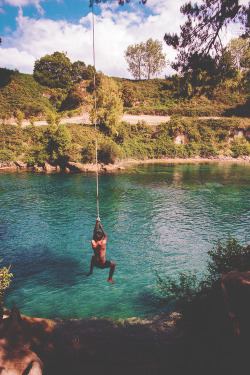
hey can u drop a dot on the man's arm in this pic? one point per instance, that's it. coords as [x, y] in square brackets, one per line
[104, 234]
[96, 227]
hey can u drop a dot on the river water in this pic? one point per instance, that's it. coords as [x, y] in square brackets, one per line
[158, 218]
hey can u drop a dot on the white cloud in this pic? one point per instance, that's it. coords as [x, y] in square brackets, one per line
[23, 3]
[10, 56]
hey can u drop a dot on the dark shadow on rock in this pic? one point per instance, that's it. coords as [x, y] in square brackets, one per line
[131, 346]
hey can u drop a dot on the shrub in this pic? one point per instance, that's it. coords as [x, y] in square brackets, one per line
[51, 118]
[109, 151]
[5, 280]
[228, 256]
[239, 147]
[180, 290]
[88, 152]
[32, 120]
[19, 118]
[7, 155]
[225, 257]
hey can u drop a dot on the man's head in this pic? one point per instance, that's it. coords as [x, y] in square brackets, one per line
[99, 234]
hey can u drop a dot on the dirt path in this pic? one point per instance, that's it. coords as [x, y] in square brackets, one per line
[84, 119]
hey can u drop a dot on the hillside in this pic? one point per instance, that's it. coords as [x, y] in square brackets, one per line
[20, 91]
[186, 135]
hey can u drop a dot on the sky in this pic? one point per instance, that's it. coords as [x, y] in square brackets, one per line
[31, 29]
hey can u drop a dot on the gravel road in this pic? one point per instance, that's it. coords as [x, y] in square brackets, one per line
[84, 119]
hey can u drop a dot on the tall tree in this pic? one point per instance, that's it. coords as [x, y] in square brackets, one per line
[77, 71]
[239, 50]
[135, 58]
[109, 105]
[200, 34]
[145, 59]
[154, 59]
[53, 70]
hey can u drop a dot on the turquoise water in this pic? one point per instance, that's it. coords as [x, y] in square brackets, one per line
[157, 218]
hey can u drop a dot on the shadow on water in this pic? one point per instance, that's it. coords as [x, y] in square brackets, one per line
[41, 267]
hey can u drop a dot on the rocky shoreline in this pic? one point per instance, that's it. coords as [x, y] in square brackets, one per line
[107, 168]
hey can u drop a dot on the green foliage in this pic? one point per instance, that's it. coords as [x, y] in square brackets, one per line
[5, 280]
[20, 91]
[240, 52]
[80, 71]
[53, 70]
[181, 290]
[19, 118]
[7, 155]
[225, 257]
[32, 120]
[228, 256]
[240, 146]
[51, 118]
[145, 59]
[109, 105]
[74, 99]
[109, 151]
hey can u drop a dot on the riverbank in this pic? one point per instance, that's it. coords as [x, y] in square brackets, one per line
[119, 166]
[94, 346]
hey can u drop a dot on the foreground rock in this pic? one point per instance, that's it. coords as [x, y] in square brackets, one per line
[101, 346]
[16, 357]
[235, 288]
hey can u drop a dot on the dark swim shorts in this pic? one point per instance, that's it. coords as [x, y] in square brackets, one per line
[101, 265]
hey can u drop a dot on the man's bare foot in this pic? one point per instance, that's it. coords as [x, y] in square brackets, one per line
[90, 273]
[111, 281]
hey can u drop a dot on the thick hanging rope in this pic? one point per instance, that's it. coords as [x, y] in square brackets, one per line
[96, 145]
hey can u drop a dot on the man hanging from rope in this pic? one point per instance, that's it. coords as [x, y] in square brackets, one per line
[98, 260]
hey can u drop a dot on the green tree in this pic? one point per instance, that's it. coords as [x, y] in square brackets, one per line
[145, 59]
[109, 105]
[200, 34]
[239, 50]
[128, 94]
[77, 71]
[134, 56]
[154, 59]
[53, 70]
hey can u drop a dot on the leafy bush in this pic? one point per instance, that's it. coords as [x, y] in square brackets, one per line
[225, 257]
[19, 118]
[5, 280]
[239, 147]
[6, 155]
[181, 290]
[109, 151]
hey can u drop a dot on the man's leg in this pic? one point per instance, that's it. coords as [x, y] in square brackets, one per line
[91, 266]
[111, 272]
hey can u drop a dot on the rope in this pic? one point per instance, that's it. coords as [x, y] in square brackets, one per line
[96, 145]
